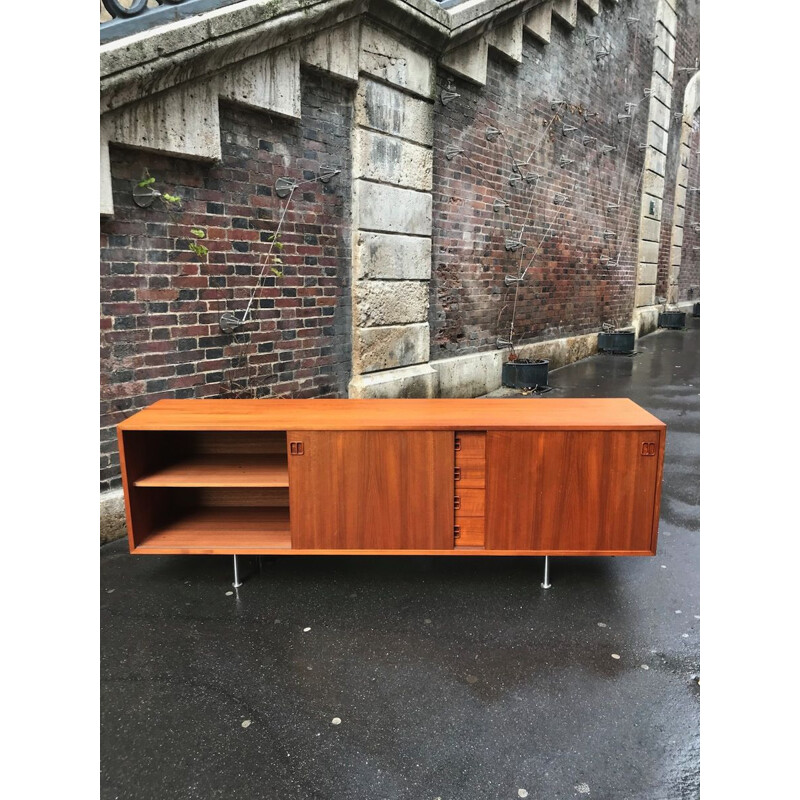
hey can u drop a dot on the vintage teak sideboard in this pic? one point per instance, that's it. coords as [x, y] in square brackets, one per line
[396, 477]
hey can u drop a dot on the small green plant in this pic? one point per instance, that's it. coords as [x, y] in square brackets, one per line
[197, 248]
[275, 261]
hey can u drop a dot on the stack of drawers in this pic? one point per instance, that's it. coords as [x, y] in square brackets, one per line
[470, 488]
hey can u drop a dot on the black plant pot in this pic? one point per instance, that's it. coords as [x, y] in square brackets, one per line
[525, 374]
[676, 320]
[696, 310]
[616, 341]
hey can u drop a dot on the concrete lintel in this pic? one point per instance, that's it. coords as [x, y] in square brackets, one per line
[420, 380]
[181, 122]
[385, 57]
[106, 193]
[468, 61]
[566, 11]
[592, 6]
[507, 40]
[334, 51]
[269, 82]
[538, 21]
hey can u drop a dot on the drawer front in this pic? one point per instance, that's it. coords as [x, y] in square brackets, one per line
[469, 502]
[470, 473]
[470, 532]
[470, 445]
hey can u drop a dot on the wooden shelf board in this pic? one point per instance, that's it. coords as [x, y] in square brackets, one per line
[221, 530]
[222, 470]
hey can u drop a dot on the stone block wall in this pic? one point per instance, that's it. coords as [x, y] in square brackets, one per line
[567, 290]
[689, 275]
[687, 49]
[161, 303]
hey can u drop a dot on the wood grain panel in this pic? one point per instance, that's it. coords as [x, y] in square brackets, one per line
[571, 491]
[372, 490]
[471, 531]
[470, 445]
[470, 502]
[221, 470]
[403, 414]
[470, 473]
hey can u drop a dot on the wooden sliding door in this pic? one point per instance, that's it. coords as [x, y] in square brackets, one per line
[371, 490]
[573, 491]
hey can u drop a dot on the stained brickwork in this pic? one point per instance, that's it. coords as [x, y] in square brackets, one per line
[567, 290]
[161, 303]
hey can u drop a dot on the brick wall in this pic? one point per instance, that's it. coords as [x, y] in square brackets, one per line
[161, 303]
[689, 277]
[567, 290]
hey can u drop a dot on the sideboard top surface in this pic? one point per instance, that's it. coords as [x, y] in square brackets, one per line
[403, 414]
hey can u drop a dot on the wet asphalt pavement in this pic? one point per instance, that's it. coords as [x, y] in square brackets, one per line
[453, 678]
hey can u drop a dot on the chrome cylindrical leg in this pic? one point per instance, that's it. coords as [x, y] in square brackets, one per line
[236, 582]
[546, 581]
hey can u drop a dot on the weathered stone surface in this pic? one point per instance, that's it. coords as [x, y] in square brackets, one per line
[269, 82]
[334, 51]
[678, 215]
[394, 62]
[538, 20]
[667, 17]
[645, 320]
[390, 346]
[112, 516]
[416, 381]
[392, 111]
[106, 194]
[645, 295]
[181, 122]
[389, 209]
[663, 65]
[680, 196]
[507, 40]
[391, 302]
[683, 176]
[653, 184]
[648, 274]
[659, 114]
[392, 257]
[677, 236]
[676, 255]
[665, 41]
[475, 374]
[691, 96]
[648, 252]
[656, 162]
[650, 229]
[661, 90]
[392, 160]
[592, 6]
[468, 61]
[566, 11]
[470, 375]
[657, 137]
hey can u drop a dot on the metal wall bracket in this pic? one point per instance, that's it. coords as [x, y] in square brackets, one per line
[449, 94]
[564, 161]
[621, 117]
[513, 244]
[510, 280]
[284, 187]
[229, 322]
[492, 134]
[589, 141]
[565, 129]
[612, 206]
[500, 205]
